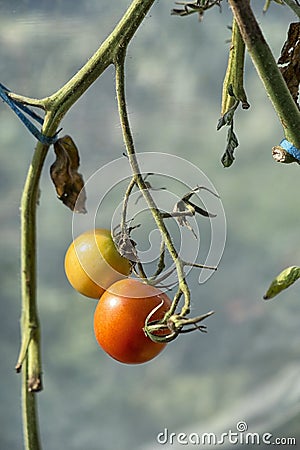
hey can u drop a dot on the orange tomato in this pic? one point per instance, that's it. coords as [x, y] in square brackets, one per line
[92, 263]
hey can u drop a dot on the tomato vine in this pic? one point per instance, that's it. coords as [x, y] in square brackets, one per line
[113, 52]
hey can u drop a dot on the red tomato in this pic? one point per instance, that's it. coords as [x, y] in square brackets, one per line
[120, 317]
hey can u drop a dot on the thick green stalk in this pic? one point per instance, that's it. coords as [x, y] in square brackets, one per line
[30, 355]
[62, 100]
[268, 70]
[29, 413]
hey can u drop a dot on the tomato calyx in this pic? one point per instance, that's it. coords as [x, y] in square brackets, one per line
[167, 329]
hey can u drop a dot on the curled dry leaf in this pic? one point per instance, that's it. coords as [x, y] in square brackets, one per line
[184, 205]
[125, 245]
[197, 209]
[68, 182]
[289, 61]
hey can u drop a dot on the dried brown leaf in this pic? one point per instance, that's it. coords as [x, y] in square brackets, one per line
[68, 182]
[289, 61]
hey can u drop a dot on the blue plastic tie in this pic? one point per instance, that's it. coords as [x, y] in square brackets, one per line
[290, 148]
[17, 108]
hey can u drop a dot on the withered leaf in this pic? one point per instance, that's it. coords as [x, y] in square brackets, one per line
[68, 182]
[125, 245]
[196, 208]
[181, 206]
[184, 205]
[289, 61]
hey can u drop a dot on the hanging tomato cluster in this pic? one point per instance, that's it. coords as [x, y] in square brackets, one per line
[95, 268]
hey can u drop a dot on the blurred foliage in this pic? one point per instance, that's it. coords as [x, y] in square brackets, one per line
[175, 71]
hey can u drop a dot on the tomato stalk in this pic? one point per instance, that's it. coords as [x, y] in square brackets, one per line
[125, 234]
[30, 356]
[137, 176]
[174, 322]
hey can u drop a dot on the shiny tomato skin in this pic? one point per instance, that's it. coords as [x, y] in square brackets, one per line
[120, 317]
[92, 263]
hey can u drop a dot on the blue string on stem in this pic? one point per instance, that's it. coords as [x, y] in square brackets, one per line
[286, 152]
[19, 109]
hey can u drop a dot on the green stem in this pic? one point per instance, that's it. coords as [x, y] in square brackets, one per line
[123, 224]
[30, 356]
[30, 320]
[125, 205]
[268, 70]
[30, 417]
[62, 100]
[128, 140]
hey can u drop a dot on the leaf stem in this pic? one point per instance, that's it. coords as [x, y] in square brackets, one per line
[268, 70]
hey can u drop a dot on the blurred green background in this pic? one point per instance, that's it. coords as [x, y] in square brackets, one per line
[247, 366]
